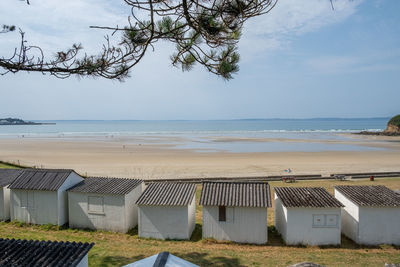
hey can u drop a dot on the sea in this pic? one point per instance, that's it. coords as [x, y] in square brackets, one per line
[200, 135]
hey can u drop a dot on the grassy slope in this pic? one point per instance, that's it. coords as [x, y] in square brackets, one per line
[6, 166]
[114, 249]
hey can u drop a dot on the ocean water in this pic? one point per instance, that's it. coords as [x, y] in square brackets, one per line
[199, 135]
[137, 127]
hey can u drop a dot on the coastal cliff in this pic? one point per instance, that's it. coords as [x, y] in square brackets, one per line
[392, 128]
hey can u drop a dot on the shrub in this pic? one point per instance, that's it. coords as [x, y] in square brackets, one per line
[395, 121]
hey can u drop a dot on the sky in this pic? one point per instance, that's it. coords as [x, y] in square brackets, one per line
[301, 60]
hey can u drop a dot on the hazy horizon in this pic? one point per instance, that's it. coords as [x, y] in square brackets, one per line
[222, 119]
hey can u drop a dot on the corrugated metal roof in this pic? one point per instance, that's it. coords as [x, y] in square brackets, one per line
[41, 253]
[167, 194]
[40, 179]
[7, 176]
[310, 197]
[102, 185]
[370, 195]
[236, 194]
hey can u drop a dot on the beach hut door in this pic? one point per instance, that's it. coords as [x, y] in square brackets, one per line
[28, 202]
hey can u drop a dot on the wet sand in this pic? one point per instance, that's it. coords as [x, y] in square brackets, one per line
[140, 158]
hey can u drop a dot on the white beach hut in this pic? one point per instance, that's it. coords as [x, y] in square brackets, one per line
[236, 211]
[7, 176]
[39, 196]
[307, 215]
[104, 204]
[371, 215]
[167, 210]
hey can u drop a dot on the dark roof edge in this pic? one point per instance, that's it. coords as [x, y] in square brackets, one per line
[234, 182]
[279, 193]
[191, 195]
[112, 177]
[266, 184]
[69, 171]
[54, 170]
[77, 260]
[83, 254]
[140, 181]
[352, 199]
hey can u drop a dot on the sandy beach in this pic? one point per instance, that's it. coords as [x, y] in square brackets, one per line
[152, 158]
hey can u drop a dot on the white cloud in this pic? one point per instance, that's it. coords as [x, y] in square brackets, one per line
[339, 64]
[291, 18]
[57, 24]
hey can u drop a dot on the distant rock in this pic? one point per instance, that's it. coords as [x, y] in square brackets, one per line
[14, 121]
[392, 128]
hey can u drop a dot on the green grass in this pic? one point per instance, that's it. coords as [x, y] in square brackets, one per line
[9, 165]
[116, 249]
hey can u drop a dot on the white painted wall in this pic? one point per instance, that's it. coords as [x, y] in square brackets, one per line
[4, 204]
[112, 218]
[370, 225]
[243, 225]
[166, 222]
[131, 209]
[350, 217]
[84, 262]
[280, 217]
[33, 206]
[6, 193]
[296, 225]
[62, 194]
[42, 207]
[379, 225]
[192, 216]
[119, 213]
[301, 228]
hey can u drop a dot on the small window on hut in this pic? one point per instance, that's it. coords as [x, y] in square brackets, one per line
[96, 205]
[222, 213]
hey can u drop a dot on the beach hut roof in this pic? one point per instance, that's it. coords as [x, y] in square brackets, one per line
[167, 194]
[163, 259]
[41, 179]
[236, 194]
[370, 195]
[101, 185]
[42, 253]
[306, 264]
[7, 176]
[308, 197]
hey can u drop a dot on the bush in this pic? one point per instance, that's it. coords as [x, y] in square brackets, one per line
[395, 121]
